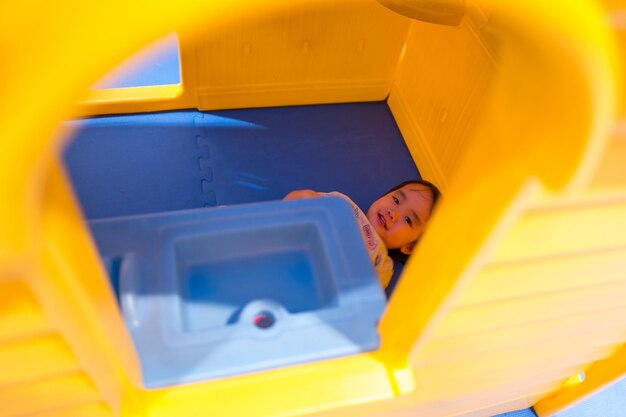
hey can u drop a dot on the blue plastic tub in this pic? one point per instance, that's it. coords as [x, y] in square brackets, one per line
[215, 292]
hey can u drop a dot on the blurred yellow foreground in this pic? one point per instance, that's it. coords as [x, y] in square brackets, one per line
[514, 108]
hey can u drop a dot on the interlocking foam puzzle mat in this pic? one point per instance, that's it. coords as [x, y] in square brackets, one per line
[144, 163]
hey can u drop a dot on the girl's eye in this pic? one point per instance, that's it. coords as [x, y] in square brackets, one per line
[408, 221]
[395, 200]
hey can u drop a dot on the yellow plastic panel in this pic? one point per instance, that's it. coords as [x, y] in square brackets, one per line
[565, 231]
[445, 12]
[504, 407]
[613, 5]
[484, 404]
[134, 94]
[534, 307]
[611, 173]
[304, 389]
[599, 376]
[521, 391]
[616, 19]
[46, 395]
[91, 409]
[476, 405]
[602, 329]
[463, 377]
[34, 359]
[435, 104]
[20, 315]
[506, 367]
[305, 53]
[523, 138]
[548, 275]
[78, 299]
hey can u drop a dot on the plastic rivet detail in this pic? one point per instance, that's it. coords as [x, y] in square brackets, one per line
[264, 320]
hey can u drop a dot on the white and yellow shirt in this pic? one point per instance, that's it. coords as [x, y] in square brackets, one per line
[376, 248]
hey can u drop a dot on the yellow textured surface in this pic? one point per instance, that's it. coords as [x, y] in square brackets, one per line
[498, 308]
[598, 227]
[436, 105]
[20, 315]
[610, 174]
[304, 389]
[515, 112]
[32, 359]
[597, 376]
[89, 409]
[309, 52]
[65, 390]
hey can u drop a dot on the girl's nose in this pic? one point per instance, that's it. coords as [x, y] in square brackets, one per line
[392, 215]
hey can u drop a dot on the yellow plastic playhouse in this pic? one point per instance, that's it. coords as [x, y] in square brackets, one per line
[513, 108]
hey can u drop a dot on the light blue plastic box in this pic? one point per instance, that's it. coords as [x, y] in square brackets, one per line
[223, 291]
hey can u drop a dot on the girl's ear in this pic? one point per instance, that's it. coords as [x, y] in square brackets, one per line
[407, 249]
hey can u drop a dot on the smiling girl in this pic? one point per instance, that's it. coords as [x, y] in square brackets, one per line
[394, 221]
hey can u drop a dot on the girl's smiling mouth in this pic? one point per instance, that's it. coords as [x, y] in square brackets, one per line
[382, 220]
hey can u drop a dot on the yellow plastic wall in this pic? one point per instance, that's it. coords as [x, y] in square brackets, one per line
[542, 296]
[440, 90]
[304, 53]
[515, 112]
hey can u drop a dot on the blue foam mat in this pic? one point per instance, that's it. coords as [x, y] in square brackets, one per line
[144, 163]
[527, 412]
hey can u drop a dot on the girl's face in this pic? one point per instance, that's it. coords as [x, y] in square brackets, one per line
[400, 216]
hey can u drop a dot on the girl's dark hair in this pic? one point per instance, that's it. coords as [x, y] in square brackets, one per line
[433, 189]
